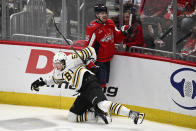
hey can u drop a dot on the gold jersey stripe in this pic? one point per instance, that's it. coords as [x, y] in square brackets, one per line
[75, 73]
[56, 80]
[91, 52]
[87, 53]
[82, 55]
[81, 117]
[78, 77]
[109, 110]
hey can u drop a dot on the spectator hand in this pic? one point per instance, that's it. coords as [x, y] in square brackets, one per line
[36, 84]
[124, 46]
[183, 55]
[159, 43]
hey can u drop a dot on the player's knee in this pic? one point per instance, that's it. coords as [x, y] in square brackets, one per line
[104, 105]
[71, 117]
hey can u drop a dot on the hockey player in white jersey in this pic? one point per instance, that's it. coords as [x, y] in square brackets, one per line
[91, 102]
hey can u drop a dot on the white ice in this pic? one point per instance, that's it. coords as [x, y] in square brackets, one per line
[22, 118]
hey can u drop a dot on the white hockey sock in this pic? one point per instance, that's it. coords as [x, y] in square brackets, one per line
[108, 106]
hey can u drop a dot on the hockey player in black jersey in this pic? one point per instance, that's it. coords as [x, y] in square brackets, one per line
[91, 103]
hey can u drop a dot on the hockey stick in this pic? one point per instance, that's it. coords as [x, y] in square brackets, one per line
[179, 41]
[128, 35]
[183, 38]
[167, 32]
[84, 61]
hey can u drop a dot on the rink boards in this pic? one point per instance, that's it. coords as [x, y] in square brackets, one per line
[163, 88]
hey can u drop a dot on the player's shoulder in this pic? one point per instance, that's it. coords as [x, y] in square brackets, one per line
[110, 21]
[93, 25]
[90, 48]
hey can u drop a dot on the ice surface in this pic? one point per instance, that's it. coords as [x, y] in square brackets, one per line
[26, 118]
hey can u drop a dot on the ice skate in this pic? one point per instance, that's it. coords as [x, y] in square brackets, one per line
[137, 117]
[106, 117]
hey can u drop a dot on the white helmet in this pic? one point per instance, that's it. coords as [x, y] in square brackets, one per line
[59, 58]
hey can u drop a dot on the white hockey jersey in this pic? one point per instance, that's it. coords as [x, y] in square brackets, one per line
[75, 69]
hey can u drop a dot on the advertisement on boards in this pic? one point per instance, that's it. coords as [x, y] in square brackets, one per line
[154, 84]
[133, 81]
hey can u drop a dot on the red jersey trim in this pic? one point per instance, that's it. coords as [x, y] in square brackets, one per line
[22, 43]
[157, 58]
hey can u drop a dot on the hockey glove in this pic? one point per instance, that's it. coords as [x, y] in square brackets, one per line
[92, 67]
[128, 31]
[36, 84]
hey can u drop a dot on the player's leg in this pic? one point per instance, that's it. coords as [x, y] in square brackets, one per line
[118, 109]
[84, 108]
[103, 73]
[80, 111]
[94, 94]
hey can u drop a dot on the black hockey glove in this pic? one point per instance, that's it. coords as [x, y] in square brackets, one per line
[36, 84]
[128, 31]
[95, 69]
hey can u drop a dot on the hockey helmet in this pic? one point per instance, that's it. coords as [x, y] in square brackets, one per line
[59, 60]
[100, 8]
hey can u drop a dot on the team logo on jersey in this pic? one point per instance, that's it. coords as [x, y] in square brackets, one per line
[183, 81]
[107, 38]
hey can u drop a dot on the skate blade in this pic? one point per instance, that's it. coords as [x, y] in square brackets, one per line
[141, 118]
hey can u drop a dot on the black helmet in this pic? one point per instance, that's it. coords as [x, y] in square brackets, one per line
[99, 8]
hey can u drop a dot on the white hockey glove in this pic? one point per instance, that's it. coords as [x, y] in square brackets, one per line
[36, 84]
[127, 31]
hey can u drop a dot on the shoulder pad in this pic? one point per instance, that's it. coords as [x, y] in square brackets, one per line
[110, 21]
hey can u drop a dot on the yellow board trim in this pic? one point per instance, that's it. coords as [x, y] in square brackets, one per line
[36, 100]
[166, 116]
[66, 102]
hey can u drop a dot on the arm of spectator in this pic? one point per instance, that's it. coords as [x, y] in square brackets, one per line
[137, 39]
[189, 48]
[118, 34]
[156, 14]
